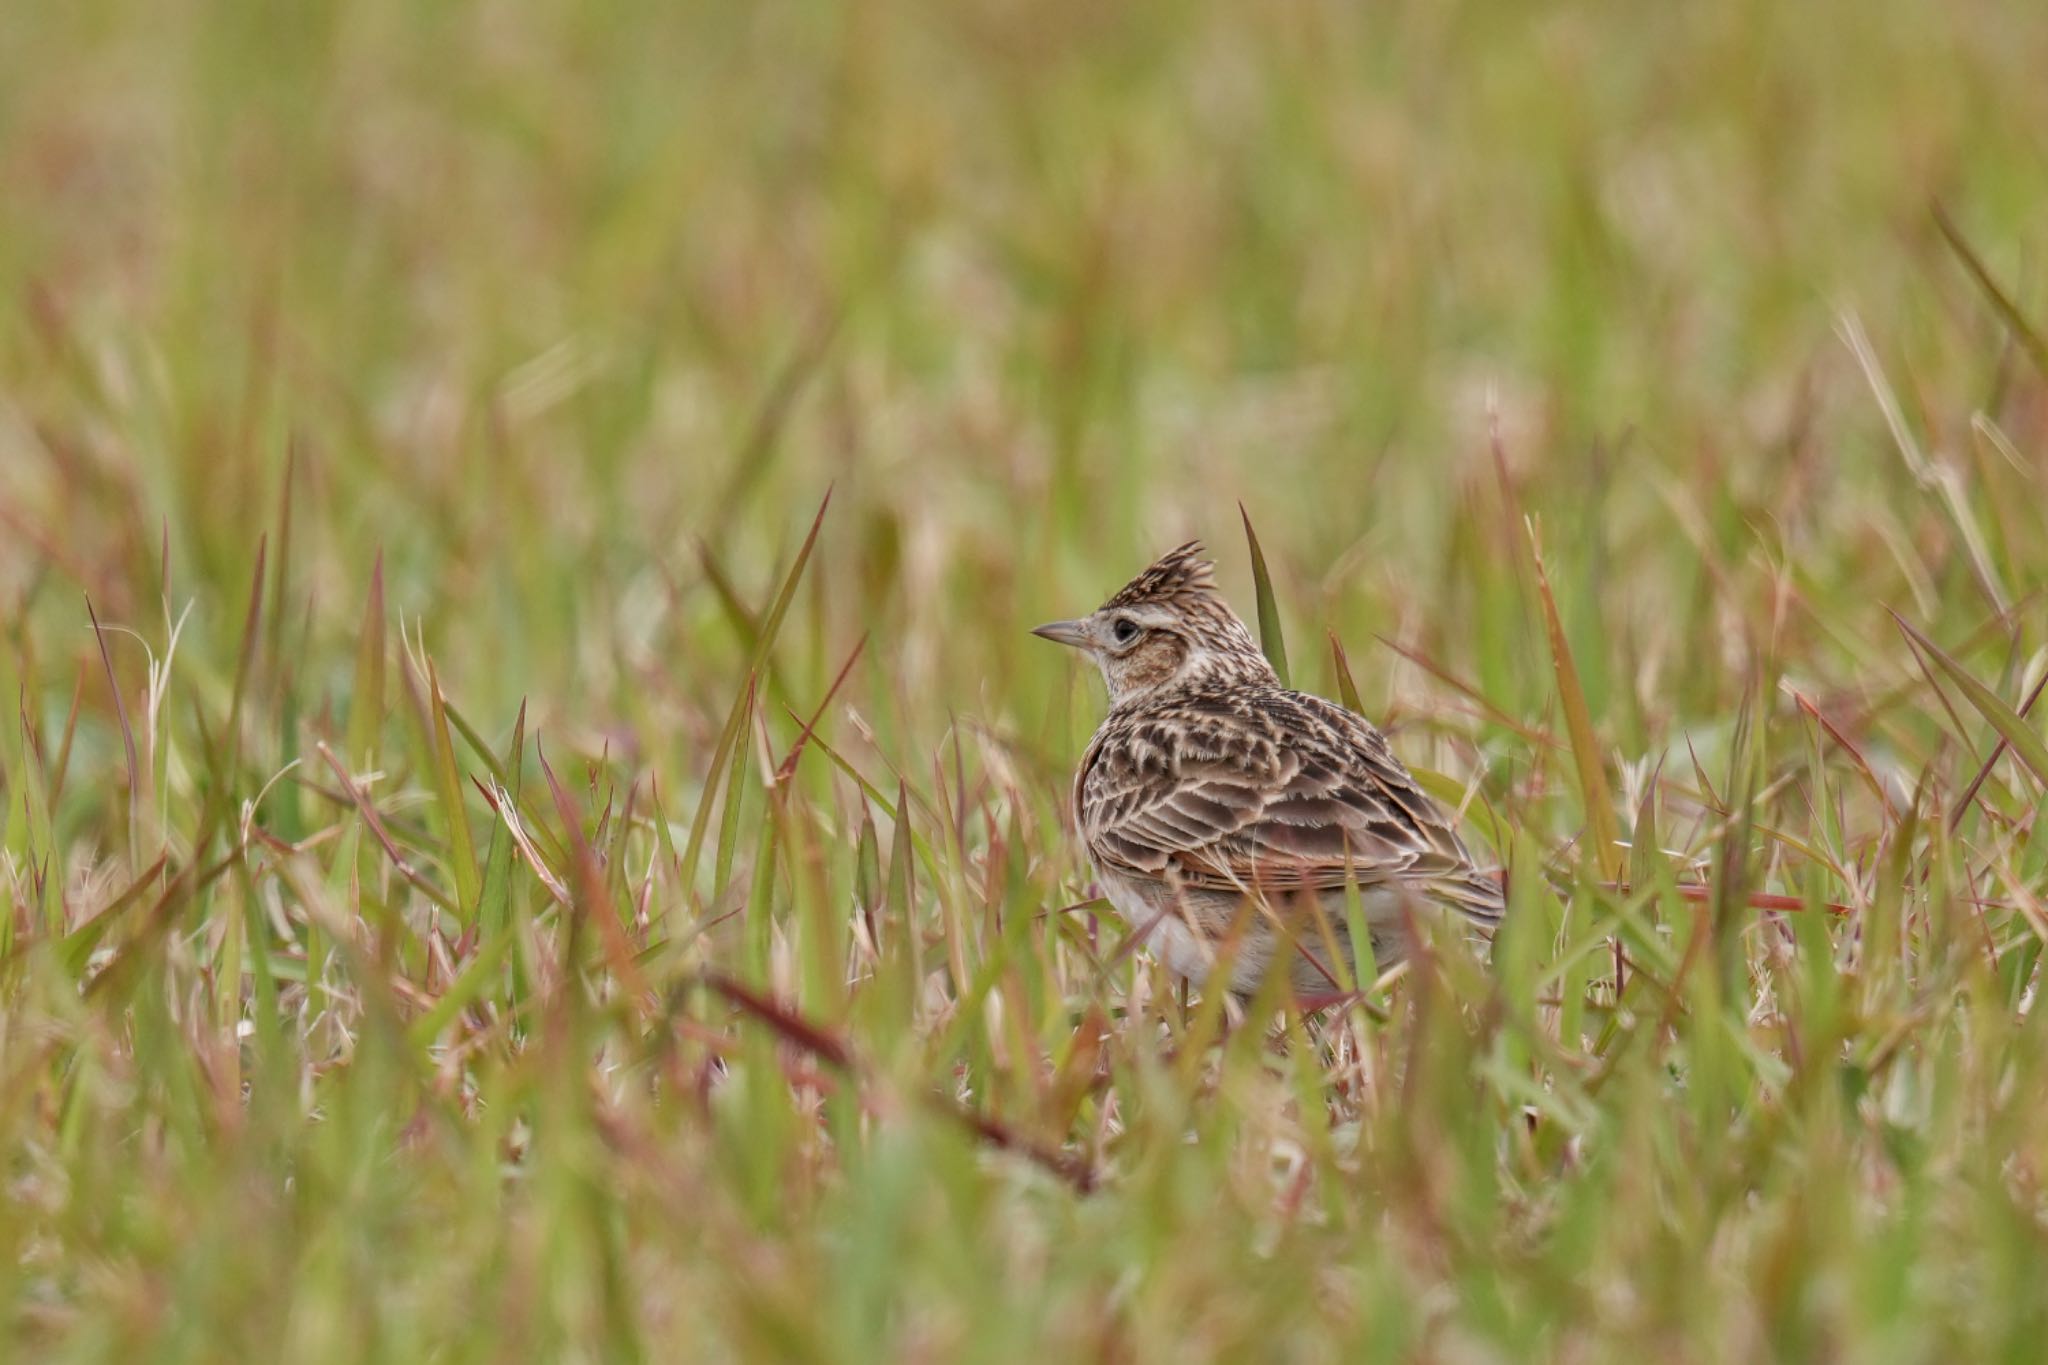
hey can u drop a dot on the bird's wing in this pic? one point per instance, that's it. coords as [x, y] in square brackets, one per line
[1283, 793]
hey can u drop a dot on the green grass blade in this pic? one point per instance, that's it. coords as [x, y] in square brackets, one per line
[2026, 742]
[448, 795]
[366, 700]
[743, 704]
[465, 989]
[245, 664]
[494, 899]
[1270, 638]
[2023, 332]
[1340, 663]
[1602, 826]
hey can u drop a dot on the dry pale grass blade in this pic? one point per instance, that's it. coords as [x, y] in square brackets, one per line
[1933, 473]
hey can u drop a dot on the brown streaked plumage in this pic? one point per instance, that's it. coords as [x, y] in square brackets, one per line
[1216, 802]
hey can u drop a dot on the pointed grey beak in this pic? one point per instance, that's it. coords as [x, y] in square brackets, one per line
[1073, 633]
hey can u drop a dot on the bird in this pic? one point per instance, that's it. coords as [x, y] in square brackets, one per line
[1222, 810]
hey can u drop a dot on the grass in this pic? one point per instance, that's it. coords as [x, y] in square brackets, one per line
[493, 865]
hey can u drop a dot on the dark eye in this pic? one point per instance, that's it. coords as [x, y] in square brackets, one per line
[1125, 630]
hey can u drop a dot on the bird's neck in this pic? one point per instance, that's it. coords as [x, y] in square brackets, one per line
[1205, 670]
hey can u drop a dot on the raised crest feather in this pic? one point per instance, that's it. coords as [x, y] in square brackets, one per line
[1179, 573]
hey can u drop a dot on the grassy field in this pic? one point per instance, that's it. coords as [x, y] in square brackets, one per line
[480, 879]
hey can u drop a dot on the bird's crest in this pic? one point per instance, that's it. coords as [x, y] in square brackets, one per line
[1177, 575]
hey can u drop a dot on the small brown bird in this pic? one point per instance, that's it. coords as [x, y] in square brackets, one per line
[1217, 804]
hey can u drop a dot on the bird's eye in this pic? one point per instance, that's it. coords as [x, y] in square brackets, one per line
[1125, 630]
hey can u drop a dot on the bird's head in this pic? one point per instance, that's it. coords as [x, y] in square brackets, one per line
[1166, 628]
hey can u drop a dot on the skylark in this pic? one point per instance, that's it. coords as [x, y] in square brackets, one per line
[1221, 809]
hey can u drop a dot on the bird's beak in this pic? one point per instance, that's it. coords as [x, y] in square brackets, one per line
[1073, 633]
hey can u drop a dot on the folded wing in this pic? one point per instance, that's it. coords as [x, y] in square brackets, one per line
[1287, 793]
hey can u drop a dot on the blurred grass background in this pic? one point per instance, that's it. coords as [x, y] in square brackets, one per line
[375, 368]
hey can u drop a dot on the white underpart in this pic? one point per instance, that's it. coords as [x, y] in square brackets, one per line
[1168, 937]
[1166, 934]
